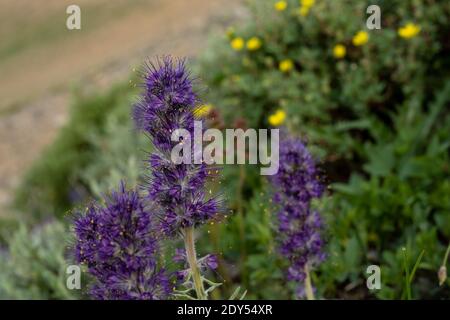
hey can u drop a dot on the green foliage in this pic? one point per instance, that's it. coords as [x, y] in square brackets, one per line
[378, 117]
[34, 265]
[119, 156]
[401, 199]
[97, 144]
[245, 244]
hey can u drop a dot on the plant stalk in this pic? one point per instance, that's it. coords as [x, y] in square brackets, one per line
[308, 286]
[241, 220]
[193, 265]
[447, 252]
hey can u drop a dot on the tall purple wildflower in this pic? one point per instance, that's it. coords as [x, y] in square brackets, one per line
[167, 104]
[296, 185]
[118, 245]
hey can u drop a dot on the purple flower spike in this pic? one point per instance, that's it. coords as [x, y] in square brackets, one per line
[295, 186]
[167, 104]
[117, 244]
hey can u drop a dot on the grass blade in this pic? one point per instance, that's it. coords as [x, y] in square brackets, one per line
[416, 265]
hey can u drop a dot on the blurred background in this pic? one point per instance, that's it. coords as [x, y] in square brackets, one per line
[373, 106]
[42, 62]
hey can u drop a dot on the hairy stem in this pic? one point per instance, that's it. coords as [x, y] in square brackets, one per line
[308, 286]
[192, 260]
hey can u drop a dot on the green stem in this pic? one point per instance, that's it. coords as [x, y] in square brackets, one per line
[447, 252]
[240, 209]
[308, 286]
[192, 260]
[215, 236]
[406, 267]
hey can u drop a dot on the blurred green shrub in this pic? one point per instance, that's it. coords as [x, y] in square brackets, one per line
[400, 199]
[338, 95]
[97, 144]
[373, 104]
[34, 265]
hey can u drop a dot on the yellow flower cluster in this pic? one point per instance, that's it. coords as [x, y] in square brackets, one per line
[238, 43]
[280, 5]
[277, 118]
[339, 51]
[254, 43]
[410, 30]
[361, 38]
[203, 110]
[407, 31]
[286, 65]
[305, 6]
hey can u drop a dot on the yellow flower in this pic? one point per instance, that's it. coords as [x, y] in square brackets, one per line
[339, 51]
[237, 43]
[286, 65]
[203, 110]
[280, 5]
[253, 44]
[277, 118]
[305, 6]
[408, 31]
[307, 3]
[360, 38]
[303, 11]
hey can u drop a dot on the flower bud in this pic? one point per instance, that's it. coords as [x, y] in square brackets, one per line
[442, 275]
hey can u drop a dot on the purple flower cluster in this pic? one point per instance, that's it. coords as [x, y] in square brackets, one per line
[296, 185]
[167, 104]
[117, 244]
